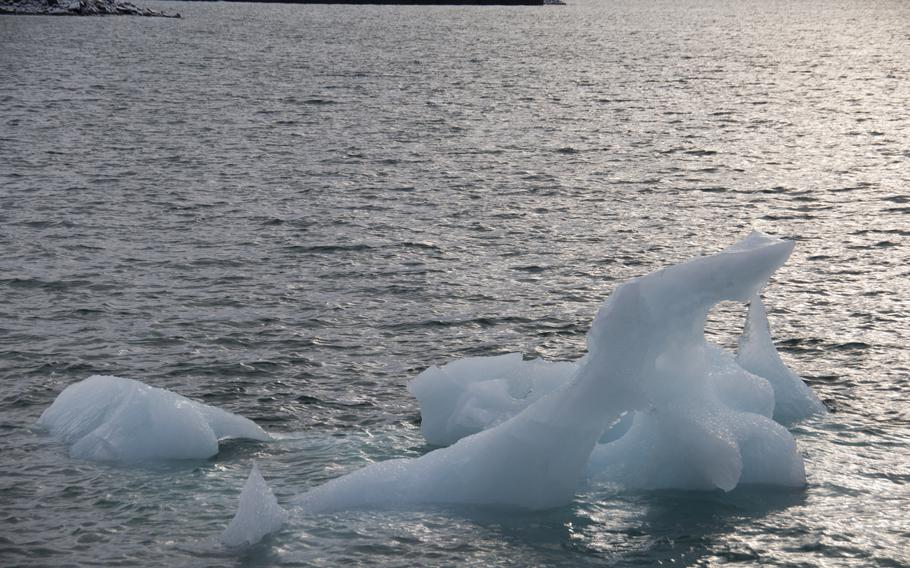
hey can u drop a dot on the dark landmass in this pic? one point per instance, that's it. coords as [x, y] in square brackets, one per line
[124, 8]
[78, 8]
[408, 2]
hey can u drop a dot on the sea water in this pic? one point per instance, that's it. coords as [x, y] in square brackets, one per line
[289, 212]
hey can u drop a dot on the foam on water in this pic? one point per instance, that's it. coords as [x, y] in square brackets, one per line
[110, 418]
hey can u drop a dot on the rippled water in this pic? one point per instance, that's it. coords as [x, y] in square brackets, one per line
[289, 211]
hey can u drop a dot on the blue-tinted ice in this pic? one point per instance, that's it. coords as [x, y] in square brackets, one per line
[699, 420]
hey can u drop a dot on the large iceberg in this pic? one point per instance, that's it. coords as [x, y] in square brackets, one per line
[468, 395]
[688, 414]
[700, 421]
[108, 418]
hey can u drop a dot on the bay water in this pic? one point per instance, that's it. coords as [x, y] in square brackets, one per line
[289, 211]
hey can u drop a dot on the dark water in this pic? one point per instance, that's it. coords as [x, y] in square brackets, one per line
[289, 211]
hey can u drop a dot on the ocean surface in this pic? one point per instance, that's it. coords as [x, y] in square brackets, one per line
[290, 211]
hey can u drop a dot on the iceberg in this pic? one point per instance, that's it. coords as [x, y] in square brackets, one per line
[257, 515]
[468, 395]
[701, 421]
[686, 414]
[107, 418]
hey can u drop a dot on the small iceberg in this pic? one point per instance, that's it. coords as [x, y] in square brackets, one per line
[677, 411]
[257, 515]
[106, 418]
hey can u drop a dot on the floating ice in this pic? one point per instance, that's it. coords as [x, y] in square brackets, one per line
[700, 445]
[701, 421]
[108, 418]
[257, 515]
[469, 395]
[718, 436]
[695, 418]
[794, 400]
[534, 460]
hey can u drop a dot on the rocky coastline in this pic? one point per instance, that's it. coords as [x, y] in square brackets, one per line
[78, 8]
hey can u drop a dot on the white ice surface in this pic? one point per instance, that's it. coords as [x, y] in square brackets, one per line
[701, 421]
[696, 419]
[108, 418]
[258, 513]
[794, 400]
[469, 395]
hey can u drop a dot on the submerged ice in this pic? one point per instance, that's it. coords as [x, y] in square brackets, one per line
[672, 410]
[110, 418]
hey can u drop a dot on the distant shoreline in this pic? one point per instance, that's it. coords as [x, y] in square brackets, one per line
[125, 8]
[77, 8]
[402, 2]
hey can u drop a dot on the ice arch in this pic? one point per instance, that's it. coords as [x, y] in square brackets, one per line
[647, 355]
